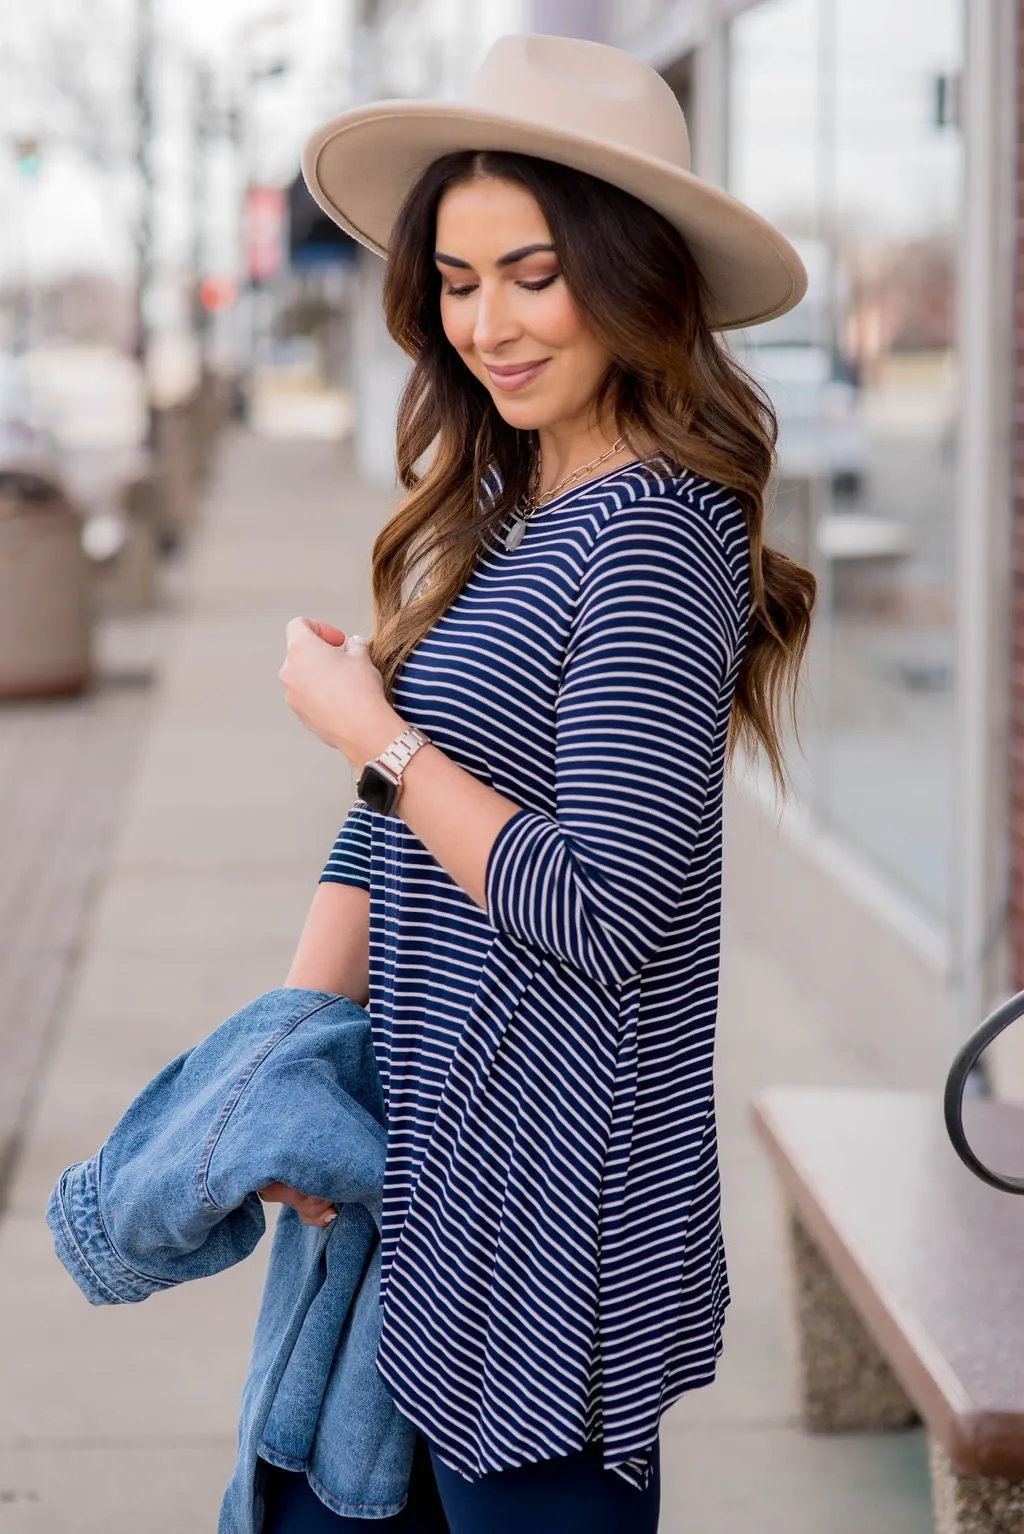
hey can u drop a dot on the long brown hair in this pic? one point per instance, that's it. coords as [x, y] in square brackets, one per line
[672, 384]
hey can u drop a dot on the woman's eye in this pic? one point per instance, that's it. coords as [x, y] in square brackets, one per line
[544, 282]
[459, 292]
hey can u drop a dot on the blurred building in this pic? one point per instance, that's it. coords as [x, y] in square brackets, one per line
[880, 136]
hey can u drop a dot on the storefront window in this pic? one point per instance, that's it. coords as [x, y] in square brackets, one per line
[843, 132]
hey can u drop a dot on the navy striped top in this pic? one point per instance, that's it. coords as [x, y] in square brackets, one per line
[552, 1261]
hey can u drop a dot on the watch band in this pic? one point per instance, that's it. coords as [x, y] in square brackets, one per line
[396, 757]
[380, 782]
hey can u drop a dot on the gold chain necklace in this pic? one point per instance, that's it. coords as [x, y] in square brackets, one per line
[533, 500]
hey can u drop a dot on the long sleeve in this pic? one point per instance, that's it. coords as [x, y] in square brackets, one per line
[640, 731]
[349, 862]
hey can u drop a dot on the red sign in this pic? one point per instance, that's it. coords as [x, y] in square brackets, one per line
[264, 232]
[217, 293]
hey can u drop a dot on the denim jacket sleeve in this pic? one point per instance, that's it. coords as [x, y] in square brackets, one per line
[286, 1089]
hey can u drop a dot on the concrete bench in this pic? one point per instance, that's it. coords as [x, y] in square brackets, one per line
[907, 1285]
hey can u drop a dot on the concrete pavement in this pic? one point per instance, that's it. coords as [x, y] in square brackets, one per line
[64, 767]
[122, 1420]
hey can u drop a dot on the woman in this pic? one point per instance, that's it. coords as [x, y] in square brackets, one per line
[528, 897]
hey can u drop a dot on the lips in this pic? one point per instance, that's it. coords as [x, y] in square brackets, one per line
[515, 375]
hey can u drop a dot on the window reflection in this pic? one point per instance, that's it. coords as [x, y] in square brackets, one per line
[839, 133]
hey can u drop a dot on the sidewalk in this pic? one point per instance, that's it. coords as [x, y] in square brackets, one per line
[65, 765]
[122, 1421]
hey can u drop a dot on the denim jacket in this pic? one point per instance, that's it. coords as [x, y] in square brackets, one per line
[285, 1090]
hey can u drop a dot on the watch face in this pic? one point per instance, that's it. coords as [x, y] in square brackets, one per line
[376, 789]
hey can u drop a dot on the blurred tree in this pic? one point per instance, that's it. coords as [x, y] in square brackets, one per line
[67, 67]
[80, 76]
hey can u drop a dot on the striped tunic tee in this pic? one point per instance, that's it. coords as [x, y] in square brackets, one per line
[552, 1261]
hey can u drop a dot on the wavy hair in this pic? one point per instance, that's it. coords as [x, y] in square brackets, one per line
[672, 385]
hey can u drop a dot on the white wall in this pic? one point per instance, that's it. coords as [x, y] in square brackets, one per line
[379, 368]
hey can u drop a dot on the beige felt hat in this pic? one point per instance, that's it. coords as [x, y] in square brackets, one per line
[594, 108]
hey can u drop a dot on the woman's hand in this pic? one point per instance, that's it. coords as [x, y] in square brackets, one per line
[311, 1211]
[337, 692]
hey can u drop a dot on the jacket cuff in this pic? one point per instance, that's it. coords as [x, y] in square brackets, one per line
[82, 1243]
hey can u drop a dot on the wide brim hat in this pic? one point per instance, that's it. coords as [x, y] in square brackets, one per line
[585, 105]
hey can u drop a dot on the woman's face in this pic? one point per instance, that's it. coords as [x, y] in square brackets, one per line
[507, 311]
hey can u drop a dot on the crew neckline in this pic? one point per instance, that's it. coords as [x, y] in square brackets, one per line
[587, 484]
[574, 490]
[633, 466]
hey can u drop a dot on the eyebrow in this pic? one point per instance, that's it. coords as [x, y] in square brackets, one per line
[509, 259]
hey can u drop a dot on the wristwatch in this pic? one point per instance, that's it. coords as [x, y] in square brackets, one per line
[381, 780]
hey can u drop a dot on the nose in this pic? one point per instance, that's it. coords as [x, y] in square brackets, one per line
[494, 322]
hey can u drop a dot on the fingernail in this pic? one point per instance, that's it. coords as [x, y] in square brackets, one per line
[329, 1217]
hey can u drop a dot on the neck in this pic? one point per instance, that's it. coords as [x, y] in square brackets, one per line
[568, 445]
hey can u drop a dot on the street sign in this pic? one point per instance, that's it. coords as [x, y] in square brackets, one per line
[264, 232]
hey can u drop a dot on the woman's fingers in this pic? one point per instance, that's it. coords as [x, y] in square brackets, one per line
[296, 629]
[327, 632]
[301, 628]
[310, 1210]
[278, 1193]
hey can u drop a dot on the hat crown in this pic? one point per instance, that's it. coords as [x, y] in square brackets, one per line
[586, 88]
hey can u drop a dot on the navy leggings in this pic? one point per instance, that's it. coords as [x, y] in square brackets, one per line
[572, 1495]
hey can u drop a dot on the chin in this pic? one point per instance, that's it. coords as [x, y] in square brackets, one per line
[528, 415]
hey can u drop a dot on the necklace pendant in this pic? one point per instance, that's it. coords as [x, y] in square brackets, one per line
[514, 537]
